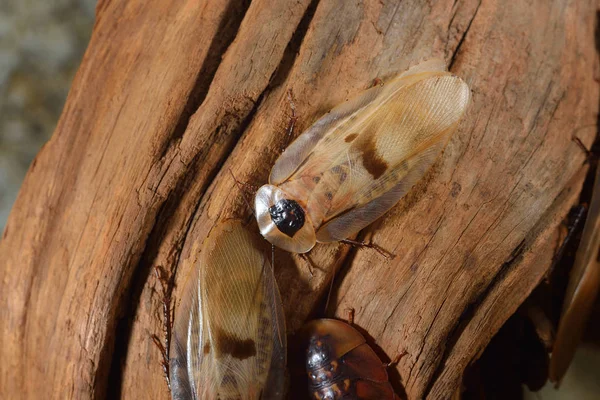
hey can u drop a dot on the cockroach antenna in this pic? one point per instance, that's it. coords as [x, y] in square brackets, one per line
[289, 132]
[330, 289]
[576, 217]
[273, 257]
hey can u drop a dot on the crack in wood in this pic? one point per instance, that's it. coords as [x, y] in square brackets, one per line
[225, 35]
[462, 38]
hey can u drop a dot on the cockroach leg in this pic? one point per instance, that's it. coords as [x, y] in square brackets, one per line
[244, 186]
[246, 189]
[330, 289]
[396, 359]
[350, 316]
[576, 217]
[309, 262]
[579, 143]
[377, 82]
[289, 132]
[165, 358]
[167, 284]
[356, 243]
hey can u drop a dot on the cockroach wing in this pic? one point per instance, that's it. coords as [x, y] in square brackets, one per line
[363, 167]
[362, 361]
[361, 215]
[301, 148]
[341, 337]
[334, 121]
[229, 337]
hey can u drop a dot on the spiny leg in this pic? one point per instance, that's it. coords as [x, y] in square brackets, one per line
[576, 217]
[246, 189]
[355, 243]
[396, 359]
[580, 144]
[244, 186]
[309, 262]
[165, 356]
[167, 285]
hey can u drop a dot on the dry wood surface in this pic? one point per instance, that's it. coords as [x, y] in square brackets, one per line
[175, 97]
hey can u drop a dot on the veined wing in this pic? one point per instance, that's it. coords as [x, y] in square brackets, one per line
[231, 335]
[333, 125]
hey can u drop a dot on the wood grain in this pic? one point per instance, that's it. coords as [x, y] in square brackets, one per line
[140, 169]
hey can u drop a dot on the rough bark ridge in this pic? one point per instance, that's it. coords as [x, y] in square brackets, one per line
[140, 168]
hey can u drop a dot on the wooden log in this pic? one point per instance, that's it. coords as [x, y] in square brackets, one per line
[140, 169]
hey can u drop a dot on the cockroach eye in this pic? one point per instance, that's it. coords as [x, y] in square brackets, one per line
[288, 216]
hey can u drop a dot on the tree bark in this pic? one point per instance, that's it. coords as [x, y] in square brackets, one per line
[174, 98]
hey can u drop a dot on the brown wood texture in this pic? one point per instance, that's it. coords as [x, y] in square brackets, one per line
[174, 97]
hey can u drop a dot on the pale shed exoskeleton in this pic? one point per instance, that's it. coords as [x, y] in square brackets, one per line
[229, 339]
[354, 163]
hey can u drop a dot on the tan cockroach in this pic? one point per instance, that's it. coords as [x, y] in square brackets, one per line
[357, 161]
[229, 339]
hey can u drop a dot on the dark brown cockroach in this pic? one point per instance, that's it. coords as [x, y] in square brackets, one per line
[341, 365]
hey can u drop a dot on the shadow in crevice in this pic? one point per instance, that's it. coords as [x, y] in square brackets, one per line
[130, 302]
[224, 36]
[293, 48]
[519, 354]
[115, 356]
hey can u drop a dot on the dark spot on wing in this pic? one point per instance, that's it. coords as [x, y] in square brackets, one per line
[371, 159]
[316, 179]
[329, 196]
[206, 348]
[227, 343]
[350, 137]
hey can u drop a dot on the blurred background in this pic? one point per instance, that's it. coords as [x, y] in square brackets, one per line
[41, 45]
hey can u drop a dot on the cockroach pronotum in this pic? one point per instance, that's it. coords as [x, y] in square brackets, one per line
[352, 165]
[228, 339]
[341, 365]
